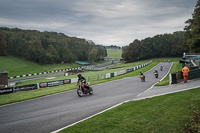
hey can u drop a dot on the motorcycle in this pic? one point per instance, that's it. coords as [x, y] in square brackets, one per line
[156, 74]
[84, 91]
[142, 78]
[161, 68]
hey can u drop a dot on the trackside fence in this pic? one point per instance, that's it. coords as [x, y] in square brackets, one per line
[68, 81]
[177, 77]
[110, 75]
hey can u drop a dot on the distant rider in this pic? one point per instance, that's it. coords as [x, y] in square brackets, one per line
[156, 71]
[161, 68]
[142, 75]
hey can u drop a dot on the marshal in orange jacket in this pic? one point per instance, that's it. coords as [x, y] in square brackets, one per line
[185, 71]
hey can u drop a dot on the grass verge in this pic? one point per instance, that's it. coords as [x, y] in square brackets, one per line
[168, 113]
[16, 66]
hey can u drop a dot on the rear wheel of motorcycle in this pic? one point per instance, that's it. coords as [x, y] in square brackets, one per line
[91, 91]
[79, 92]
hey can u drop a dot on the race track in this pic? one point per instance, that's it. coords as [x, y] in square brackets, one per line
[47, 114]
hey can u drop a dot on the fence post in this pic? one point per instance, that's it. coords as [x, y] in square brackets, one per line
[38, 85]
[170, 78]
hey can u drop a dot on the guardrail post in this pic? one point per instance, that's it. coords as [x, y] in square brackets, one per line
[38, 85]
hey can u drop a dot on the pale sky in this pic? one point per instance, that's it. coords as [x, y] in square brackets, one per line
[106, 22]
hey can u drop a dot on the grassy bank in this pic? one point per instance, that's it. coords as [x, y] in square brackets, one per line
[114, 53]
[16, 66]
[161, 114]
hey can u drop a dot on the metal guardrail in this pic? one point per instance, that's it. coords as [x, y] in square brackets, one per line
[194, 74]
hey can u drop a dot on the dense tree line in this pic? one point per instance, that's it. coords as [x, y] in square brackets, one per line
[2, 44]
[192, 28]
[48, 47]
[166, 45]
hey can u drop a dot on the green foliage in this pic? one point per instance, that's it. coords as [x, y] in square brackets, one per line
[48, 47]
[194, 126]
[2, 44]
[192, 35]
[166, 45]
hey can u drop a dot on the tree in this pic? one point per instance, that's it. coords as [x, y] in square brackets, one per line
[166, 45]
[131, 53]
[48, 47]
[92, 55]
[192, 35]
[2, 44]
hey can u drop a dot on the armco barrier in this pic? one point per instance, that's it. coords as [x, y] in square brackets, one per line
[195, 73]
[54, 71]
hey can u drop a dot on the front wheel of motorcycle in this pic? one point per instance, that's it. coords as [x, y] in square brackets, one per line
[79, 92]
[91, 91]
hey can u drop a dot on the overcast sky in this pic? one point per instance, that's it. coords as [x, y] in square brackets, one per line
[106, 22]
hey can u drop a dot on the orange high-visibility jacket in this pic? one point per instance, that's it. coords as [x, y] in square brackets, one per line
[185, 70]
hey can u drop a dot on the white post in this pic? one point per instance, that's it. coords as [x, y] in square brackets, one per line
[38, 86]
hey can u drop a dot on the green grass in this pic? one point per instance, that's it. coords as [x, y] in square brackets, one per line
[114, 53]
[16, 66]
[161, 114]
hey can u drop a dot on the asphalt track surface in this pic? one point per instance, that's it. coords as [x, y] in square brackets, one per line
[50, 113]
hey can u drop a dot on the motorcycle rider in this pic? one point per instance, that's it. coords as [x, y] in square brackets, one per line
[161, 68]
[82, 79]
[156, 73]
[142, 75]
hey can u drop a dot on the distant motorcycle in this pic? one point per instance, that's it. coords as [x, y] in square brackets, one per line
[156, 74]
[142, 77]
[84, 91]
[161, 68]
